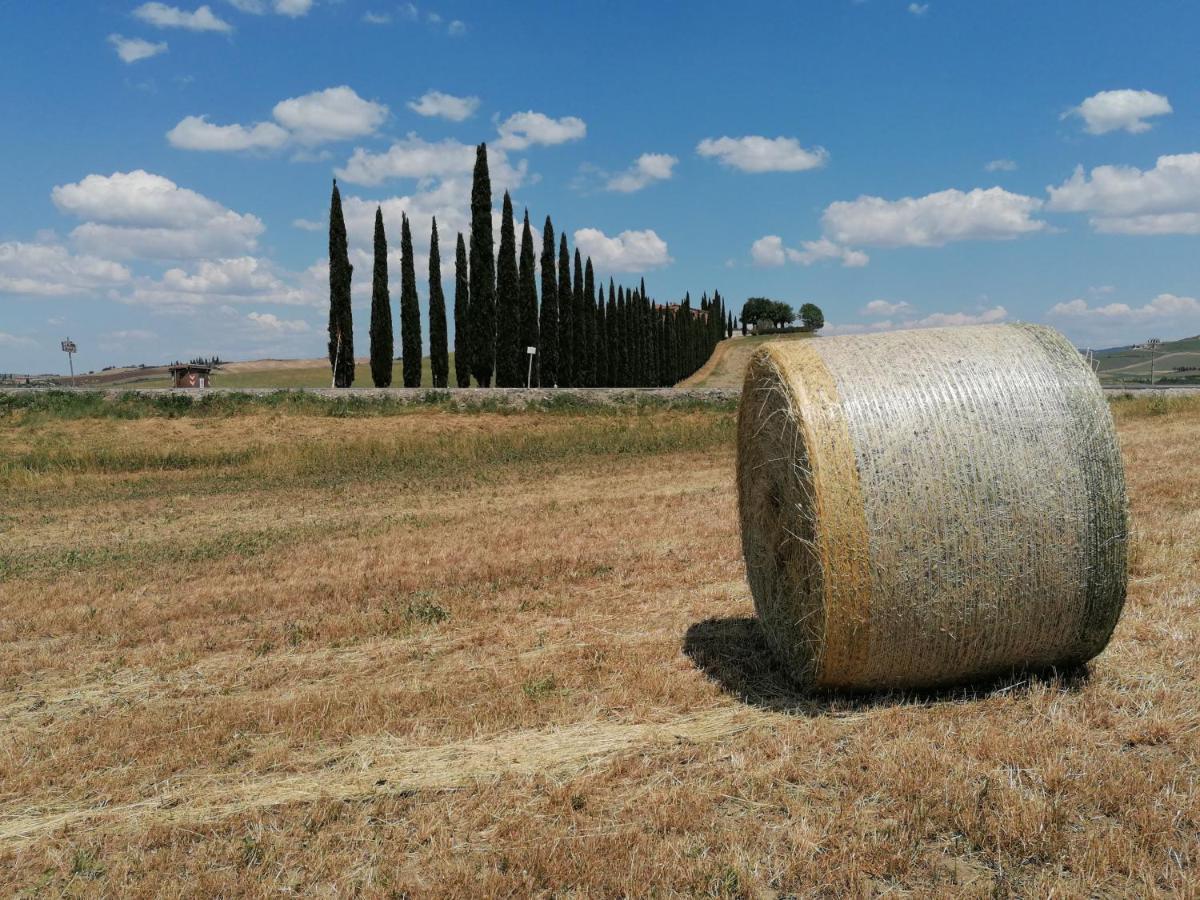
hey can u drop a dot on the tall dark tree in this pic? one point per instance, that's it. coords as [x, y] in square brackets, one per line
[462, 316]
[729, 324]
[548, 346]
[439, 352]
[601, 341]
[483, 273]
[612, 336]
[410, 309]
[381, 311]
[509, 372]
[341, 321]
[622, 339]
[589, 324]
[578, 338]
[566, 317]
[527, 289]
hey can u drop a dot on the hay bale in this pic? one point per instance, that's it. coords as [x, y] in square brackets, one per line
[927, 507]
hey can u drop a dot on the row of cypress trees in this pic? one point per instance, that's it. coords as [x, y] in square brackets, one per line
[583, 339]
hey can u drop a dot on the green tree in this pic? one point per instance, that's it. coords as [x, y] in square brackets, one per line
[381, 311]
[548, 347]
[811, 317]
[578, 337]
[341, 322]
[462, 316]
[439, 352]
[483, 273]
[566, 317]
[410, 309]
[527, 286]
[508, 303]
[601, 341]
[756, 309]
[622, 339]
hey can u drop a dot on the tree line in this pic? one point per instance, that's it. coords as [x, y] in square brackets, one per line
[582, 337]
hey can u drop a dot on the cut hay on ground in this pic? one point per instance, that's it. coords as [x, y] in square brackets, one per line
[927, 507]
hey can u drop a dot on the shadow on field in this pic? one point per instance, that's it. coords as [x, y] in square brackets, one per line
[734, 653]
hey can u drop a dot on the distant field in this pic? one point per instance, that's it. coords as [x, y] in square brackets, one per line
[288, 374]
[469, 654]
[1129, 365]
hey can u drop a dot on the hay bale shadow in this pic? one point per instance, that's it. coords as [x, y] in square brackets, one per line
[734, 653]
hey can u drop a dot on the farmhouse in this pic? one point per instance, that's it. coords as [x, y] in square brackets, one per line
[189, 375]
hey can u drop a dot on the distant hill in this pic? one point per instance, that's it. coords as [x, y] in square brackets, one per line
[1175, 362]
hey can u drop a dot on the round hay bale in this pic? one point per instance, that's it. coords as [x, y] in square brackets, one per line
[920, 508]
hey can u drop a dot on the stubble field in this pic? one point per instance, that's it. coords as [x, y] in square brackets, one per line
[476, 654]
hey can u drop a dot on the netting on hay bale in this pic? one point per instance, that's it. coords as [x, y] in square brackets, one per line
[920, 508]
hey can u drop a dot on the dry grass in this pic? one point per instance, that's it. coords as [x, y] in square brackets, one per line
[227, 671]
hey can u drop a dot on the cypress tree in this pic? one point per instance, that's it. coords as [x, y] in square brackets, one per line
[578, 340]
[410, 309]
[462, 316]
[439, 356]
[341, 323]
[548, 348]
[589, 324]
[528, 291]
[508, 303]
[483, 273]
[566, 317]
[610, 326]
[622, 340]
[381, 311]
[729, 325]
[601, 341]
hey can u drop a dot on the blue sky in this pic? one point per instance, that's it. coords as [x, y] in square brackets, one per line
[899, 164]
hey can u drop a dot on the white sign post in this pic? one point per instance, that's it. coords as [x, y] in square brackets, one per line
[69, 348]
[529, 374]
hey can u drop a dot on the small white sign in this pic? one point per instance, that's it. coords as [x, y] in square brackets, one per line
[531, 350]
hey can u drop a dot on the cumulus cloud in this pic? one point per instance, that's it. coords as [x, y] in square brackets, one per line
[308, 224]
[754, 153]
[769, 250]
[1127, 200]
[291, 8]
[374, 18]
[647, 168]
[162, 16]
[1115, 324]
[444, 106]
[1000, 165]
[197, 133]
[271, 323]
[414, 157]
[629, 251]
[882, 309]
[909, 319]
[333, 114]
[918, 9]
[456, 28]
[133, 49]
[222, 281]
[932, 220]
[15, 340]
[51, 270]
[524, 129]
[1124, 110]
[140, 214]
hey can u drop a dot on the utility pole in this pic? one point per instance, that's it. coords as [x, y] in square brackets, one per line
[70, 349]
[1153, 345]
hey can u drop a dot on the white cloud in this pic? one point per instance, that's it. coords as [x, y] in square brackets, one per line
[629, 251]
[1120, 110]
[414, 157]
[374, 18]
[918, 9]
[884, 309]
[290, 8]
[456, 28]
[127, 335]
[523, 129]
[162, 16]
[445, 106]
[216, 282]
[51, 270]
[932, 220]
[1115, 324]
[133, 49]
[987, 316]
[1000, 165]
[270, 322]
[307, 224]
[197, 133]
[333, 114]
[14, 340]
[647, 168]
[770, 251]
[761, 154]
[139, 214]
[1126, 200]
